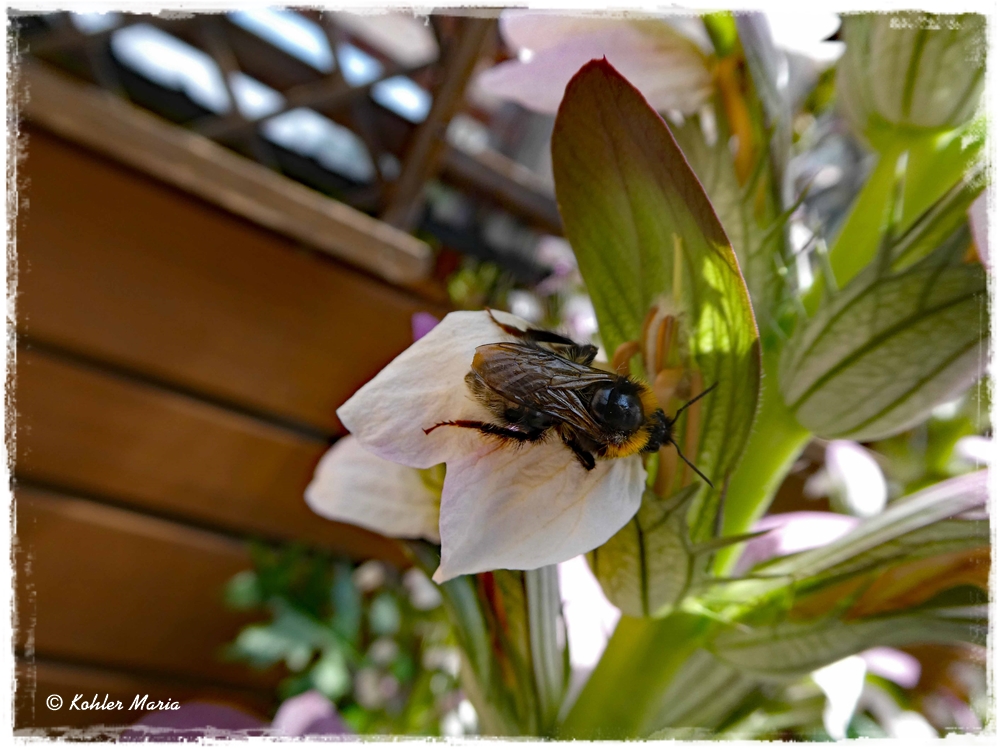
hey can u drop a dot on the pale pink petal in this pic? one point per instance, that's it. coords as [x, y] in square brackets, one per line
[524, 508]
[793, 532]
[893, 664]
[666, 67]
[525, 29]
[355, 486]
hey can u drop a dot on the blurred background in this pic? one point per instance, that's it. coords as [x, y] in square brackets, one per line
[225, 224]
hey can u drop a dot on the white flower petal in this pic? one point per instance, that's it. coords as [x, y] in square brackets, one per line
[525, 508]
[857, 478]
[842, 682]
[421, 387]
[590, 618]
[355, 486]
[666, 67]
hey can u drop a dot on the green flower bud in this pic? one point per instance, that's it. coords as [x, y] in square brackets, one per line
[885, 350]
[911, 70]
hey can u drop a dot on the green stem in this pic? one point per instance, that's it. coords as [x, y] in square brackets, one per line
[542, 593]
[858, 240]
[642, 658]
[775, 443]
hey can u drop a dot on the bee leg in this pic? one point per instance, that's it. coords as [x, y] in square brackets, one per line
[582, 353]
[586, 458]
[529, 436]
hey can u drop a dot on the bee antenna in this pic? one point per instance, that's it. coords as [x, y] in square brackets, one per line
[684, 459]
[700, 395]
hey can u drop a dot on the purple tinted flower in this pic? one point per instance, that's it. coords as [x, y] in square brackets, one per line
[793, 532]
[893, 664]
[421, 324]
[310, 713]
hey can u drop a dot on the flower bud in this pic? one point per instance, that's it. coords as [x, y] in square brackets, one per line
[884, 351]
[911, 70]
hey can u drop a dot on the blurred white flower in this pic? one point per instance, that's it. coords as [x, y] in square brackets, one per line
[842, 682]
[805, 32]
[369, 576]
[975, 450]
[979, 223]
[590, 618]
[851, 479]
[424, 595]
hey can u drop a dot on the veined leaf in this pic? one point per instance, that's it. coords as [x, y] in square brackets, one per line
[701, 695]
[748, 213]
[899, 530]
[941, 537]
[795, 648]
[942, 500]
[940, 171]
[644, 232]
[911, 70]
[646, 567]
[884, 351]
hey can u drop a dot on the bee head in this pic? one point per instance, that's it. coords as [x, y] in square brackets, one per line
[660, 432]
[618, 407]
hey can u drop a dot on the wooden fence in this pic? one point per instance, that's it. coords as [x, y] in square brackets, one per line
[178, 369]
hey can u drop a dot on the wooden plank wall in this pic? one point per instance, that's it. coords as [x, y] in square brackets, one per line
[177, 375]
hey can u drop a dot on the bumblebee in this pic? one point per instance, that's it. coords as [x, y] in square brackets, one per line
[544, 383]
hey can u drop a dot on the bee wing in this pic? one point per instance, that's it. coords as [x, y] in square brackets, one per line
[540, 380]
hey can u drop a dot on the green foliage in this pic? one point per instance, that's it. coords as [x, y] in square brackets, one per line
[364, 637]
[897, 330]
[928, 321]
[649, 236]
[911, 70]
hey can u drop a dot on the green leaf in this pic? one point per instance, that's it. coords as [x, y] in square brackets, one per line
[911, 71]
[541, 589]
[621, 698]
[646, 567]
[644, 232]
[703, 693]
[752, 224]
[875, 540]
[937, 539]
[936, 167]
[792, 649]
[721, 28]
[883, 352]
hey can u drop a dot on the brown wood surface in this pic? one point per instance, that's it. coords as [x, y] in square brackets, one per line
[102, 435]
[101, 585]
[112, 126]
[40, 678]
[125, 270]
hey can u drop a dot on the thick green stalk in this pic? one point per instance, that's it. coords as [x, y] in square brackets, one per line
[642, 658]
[775, 443]
[542, 593]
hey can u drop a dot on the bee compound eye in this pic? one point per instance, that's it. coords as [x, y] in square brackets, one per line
[617, 410]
